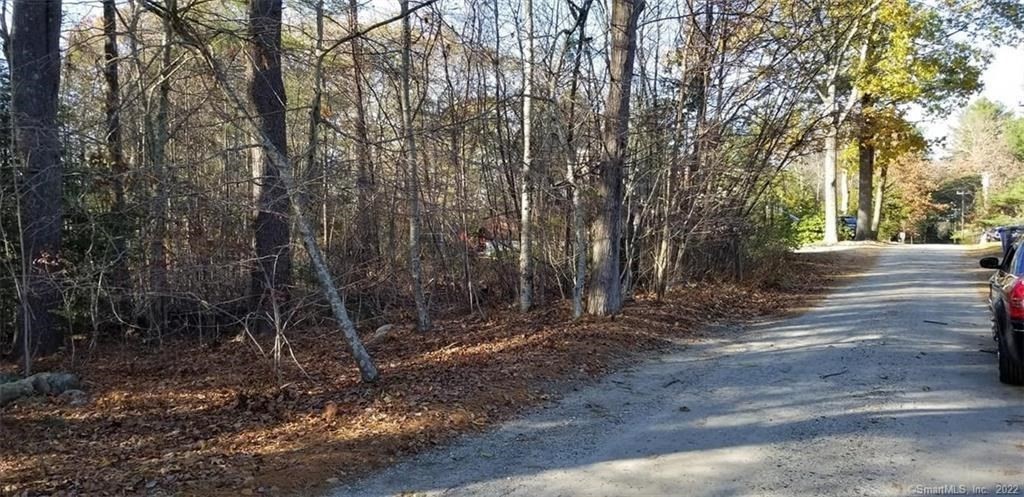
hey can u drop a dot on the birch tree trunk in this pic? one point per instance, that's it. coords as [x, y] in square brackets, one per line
[831, 228]
[526, 183]
[829, 166]
[605, 297]
[35, 79]
[413, 185]
[876, 213]
[272, 274]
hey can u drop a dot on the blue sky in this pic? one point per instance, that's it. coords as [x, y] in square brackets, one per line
[1004, 83]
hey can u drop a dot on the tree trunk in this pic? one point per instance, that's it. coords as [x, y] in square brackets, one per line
[831, 229]
[413, 186]
[35, 80]
[843, 184]
[665, 243]
[866, 172]
[579, 230]
[315, 109]
[876, 213]
[365, 181]
[272, 274]
[115, 147]
[526, 183]
[605, 297]
[157, 152]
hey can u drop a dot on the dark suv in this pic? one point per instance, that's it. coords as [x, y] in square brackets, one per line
[1006, 301]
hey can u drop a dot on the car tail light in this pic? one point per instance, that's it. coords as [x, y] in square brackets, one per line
[1016, 298]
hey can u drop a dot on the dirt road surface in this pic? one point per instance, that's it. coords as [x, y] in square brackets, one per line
[887, 387]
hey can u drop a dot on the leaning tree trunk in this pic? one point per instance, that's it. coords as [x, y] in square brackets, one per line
[526, 183]
[413, 186]
[866, 173]
[605, 297]
[368, 371]
[272, 275]
[35, 79]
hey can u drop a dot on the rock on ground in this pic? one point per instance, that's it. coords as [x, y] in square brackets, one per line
[39, 384]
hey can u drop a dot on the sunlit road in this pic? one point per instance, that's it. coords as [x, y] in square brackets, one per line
[888, 387]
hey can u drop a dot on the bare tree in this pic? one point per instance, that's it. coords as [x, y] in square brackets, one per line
[272, 275]
[158, 136]
[35, 80]
[368, 370]
[571, 139]
[412, 173]
[605, 297]
[365, 182]
[527, 181]
[115, 147]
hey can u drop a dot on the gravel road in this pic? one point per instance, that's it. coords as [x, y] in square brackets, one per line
[887, 387]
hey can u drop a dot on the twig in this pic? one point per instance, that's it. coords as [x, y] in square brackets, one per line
[834, 374]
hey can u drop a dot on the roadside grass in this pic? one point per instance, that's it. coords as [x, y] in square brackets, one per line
[189, 419]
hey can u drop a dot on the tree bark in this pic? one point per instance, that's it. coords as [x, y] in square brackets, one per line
[272, 274]
[413, 186]
[866, 173]
[605, 297]
[35, 80]
[526, 183]
[115, 147]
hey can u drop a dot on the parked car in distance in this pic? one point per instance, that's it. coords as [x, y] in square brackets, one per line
[848, 222]
[1006, 303]
[991, 235]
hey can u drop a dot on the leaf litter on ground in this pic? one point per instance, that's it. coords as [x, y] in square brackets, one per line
[192, 419]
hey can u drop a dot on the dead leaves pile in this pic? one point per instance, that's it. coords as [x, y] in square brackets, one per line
[188, 419]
